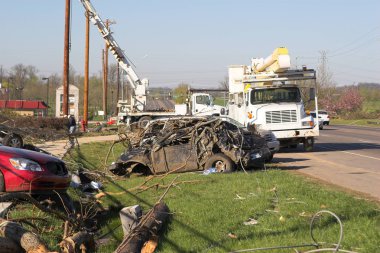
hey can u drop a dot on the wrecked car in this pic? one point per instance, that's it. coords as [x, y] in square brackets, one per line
[10, 138]
[192, 144]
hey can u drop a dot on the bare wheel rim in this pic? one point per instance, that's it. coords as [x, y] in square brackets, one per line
[15, 142]
[220, 166]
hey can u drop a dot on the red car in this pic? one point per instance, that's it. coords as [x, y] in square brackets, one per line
[28, 171]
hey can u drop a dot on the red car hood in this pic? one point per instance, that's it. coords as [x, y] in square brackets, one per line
[31, 155]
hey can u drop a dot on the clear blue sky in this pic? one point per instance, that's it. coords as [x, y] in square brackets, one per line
[194, 41]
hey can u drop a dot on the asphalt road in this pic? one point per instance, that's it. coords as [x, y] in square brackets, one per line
[347, 156]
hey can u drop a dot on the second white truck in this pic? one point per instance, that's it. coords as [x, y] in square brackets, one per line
[267, 93]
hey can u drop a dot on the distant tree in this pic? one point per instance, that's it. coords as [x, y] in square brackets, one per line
[180, 93]
[224, 83]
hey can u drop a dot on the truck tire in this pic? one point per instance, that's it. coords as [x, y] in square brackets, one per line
[143, 121]
[308, 144]
[221, 163]
[13, 140]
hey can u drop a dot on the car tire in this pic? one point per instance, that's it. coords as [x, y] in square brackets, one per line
[143, 121]
[308, 144]
[221, 162]
[269, 159]
[2, 183]
[320, 127]
[13, 140]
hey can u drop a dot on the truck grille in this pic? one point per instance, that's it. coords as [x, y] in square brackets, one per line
[284, 116]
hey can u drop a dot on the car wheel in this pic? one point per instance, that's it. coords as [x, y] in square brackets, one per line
[143, 121]
[320, 127]
[221, 163]
[2, 183]
[308, 144]
[13, 140]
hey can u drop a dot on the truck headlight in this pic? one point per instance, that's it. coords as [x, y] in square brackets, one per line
[25, 164]
[308, 123]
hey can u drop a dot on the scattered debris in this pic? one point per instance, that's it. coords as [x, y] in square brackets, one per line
[148, 227]
[250, 222]
[130, 217]
[232, 235]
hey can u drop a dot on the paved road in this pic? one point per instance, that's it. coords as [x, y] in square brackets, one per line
[59, 147]
[347, 156]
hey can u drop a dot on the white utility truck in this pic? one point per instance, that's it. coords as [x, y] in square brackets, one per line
[139, 107]
[197, 104]
[267, 93]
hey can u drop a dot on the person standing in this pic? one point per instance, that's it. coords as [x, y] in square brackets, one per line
[72, 124]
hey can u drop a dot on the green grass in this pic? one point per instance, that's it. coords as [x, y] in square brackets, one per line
[205, 211]
[356, 122]
[371, 106]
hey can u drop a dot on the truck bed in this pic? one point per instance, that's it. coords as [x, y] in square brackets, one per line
[159, 105]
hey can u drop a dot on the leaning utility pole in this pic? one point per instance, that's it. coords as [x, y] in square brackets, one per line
[66, 61]
[86, 68]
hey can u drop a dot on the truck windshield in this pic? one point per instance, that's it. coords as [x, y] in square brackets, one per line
[203, 100]
[275, 95]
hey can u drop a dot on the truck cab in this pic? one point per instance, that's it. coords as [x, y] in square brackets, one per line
[202, 104]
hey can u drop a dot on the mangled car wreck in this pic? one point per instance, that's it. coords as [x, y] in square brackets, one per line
[192, 144]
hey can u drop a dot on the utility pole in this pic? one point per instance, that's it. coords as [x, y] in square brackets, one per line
[118, 89]
[66, 60]
[86, 68]
[105, 84]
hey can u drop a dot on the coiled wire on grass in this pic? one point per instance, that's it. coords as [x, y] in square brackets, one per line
[314, 244]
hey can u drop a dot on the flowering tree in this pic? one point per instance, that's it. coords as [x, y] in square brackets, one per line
[350, 100]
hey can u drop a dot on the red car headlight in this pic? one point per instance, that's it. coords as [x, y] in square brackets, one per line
[25, 164]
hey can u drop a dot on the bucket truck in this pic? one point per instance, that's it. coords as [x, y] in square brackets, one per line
[267, 93]
[135, 109]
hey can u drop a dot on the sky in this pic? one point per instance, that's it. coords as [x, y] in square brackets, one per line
[194, 41]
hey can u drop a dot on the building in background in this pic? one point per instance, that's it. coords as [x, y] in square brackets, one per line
[35, 108]
[73, 101]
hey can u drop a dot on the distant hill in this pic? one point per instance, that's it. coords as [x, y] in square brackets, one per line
[369, 85]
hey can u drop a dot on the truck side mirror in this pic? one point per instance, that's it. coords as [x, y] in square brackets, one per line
[312, 94]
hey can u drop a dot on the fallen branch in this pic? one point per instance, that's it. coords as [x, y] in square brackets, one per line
[149, 226]
[80, 242]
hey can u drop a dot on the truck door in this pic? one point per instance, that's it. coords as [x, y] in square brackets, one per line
[201, 104]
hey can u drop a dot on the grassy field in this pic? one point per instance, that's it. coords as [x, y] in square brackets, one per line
[209, 208]
[357, 122]
[207, 211]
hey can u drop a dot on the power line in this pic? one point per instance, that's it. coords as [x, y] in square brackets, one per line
[356, 40]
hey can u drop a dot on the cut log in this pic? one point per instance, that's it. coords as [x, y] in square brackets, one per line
[148, 228]
[78, 243]
[29, 241]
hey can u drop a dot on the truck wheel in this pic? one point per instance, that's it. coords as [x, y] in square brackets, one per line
[13, 140]
[221, 163]
[308, 144]
[143, 121]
